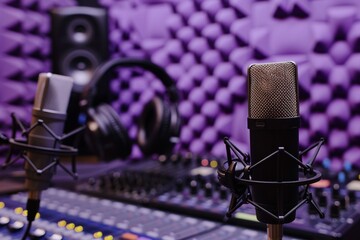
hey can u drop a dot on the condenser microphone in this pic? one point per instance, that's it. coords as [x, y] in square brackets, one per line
[50, 105]
[274, 127]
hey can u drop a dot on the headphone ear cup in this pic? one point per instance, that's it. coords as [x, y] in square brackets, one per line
[155, 128]
[113, 140]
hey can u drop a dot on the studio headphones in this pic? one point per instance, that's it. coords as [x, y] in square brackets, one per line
[159, 123]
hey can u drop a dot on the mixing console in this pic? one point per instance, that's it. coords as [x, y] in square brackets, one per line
[175, 197]
[188, 185]
[67, 215]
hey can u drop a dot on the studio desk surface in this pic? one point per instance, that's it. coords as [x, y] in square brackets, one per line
[175, 198]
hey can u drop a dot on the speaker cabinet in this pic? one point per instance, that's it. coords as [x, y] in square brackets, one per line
[79, 42]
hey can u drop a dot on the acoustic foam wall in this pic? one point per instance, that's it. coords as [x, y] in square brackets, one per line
[206, 45]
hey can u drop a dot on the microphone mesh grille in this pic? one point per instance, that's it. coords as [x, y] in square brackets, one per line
[273, 90]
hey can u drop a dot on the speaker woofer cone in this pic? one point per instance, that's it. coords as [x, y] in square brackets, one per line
[80, 30]
[80, 65]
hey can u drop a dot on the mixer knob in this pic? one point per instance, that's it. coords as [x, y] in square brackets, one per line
[179, 185]
[323, 200]
[175, 158]
[162, 159]
[335, 210]
[223, 193]
[187, 159]
[336, 191]
[37, 234]
[352, 197]
[344, 202]
[208, 190]
[193, 187]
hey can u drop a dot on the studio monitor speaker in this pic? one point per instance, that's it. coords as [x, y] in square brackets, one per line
[79, 42]
[79, 38]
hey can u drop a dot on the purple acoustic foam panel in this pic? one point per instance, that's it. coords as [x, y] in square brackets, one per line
[353, 37]
[185, 83]
[243, 7]
[198, 46]
[340, 51]
[12, 91]
[339, 79]
[197, 96]
[226, 43]
[11, 18]
[188, 60]
[186, 135]
[198, 72]
[354, 98]
[161, 57]
[186, 8]
[33, 21]
[211, 7]
[210, 86]
[212, 32]
[136, 108]
[157, 86]
[210, 109]
[34, 44]
[259, 40]
[209, 136]
[11, 66]
[223, 124]
[186, 34]
[199, 20]
[323, 37]
[240, 56]
[224, 72]
[175, 71]
[304, 140]
[319, 125]
[186, 109]
[337, 143]
[298, 38]
[197, 123]
[238, 86]
[341, 17]
[321, 62]
[353, 130]
[339, 113]
[224, 99]
[197, 146]
[211, 58]
[126, 98]
[352, 156]
[352, 64]
[11, 42]
[241, 29]
[323, 153]
[33, 67]
[226, 17]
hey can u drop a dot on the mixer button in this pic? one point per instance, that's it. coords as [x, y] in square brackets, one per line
[55, 236]
[129, 236]
[37, 233]
[4, 221]
[16, 226]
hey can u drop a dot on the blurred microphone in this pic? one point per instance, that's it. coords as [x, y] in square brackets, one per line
[50, 105]
[274, 125]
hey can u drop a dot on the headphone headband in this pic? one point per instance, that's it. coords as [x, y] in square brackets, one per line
[110, 65]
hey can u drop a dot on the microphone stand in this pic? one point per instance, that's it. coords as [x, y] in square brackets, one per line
[274, 231]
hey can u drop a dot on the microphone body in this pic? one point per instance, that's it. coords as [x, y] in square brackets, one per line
[274, 126]
[50, 105]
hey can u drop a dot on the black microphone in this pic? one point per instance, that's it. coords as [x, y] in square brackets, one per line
[50, 105]
[274, 126]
